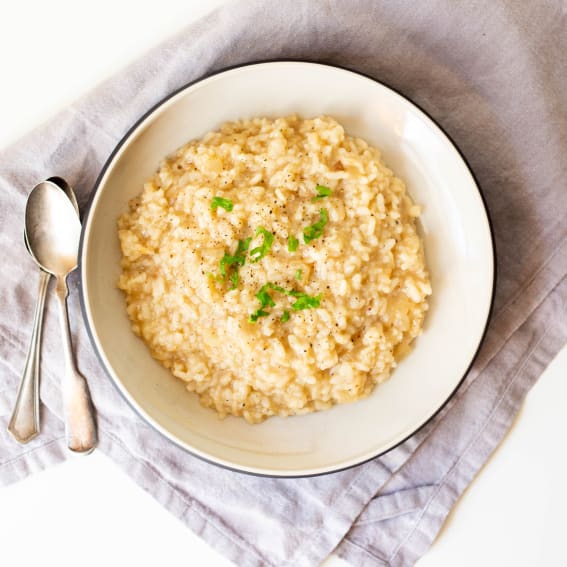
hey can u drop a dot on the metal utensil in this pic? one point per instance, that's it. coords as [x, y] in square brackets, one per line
[53, 231]
[24, 423]
[67, 189]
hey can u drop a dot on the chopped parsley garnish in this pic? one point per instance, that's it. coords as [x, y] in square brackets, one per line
[275, 287]
[265, 301]
[234, 277]
[292, 243]
[227, 261]
[243, 245]
[264, 297]
[230, 264]
[322, 192]
[259, 252]
[304, 301]
[257, 314]
[316, 230]
[238, 259]
[233, 263]
[226, 204]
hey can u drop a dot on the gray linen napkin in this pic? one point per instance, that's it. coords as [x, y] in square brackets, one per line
[494, 75]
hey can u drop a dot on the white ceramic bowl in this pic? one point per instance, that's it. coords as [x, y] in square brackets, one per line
[458, 247]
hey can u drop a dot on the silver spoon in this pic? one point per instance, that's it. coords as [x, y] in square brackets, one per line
[24, 423]
[53, 231]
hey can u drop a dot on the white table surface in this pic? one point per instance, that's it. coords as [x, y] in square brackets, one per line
[87, 511]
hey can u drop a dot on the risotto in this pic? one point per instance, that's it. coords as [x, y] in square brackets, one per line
[274, 266]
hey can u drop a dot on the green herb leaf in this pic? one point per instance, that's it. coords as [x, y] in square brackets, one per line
[316, 230]
[302, 301]
[305, 301]
[243, 246]
[292, 243]
[235, 261]
[234, 277]
[265, 300]
[257, 314]
[298, 274]
[323, 192]
[264, 297]
[227, 261]
[276, 287]
[259, 252]
[226, 204]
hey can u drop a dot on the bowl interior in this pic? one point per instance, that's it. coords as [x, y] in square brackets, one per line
[458, 248]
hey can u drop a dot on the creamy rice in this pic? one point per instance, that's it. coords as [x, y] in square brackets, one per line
[366, 268]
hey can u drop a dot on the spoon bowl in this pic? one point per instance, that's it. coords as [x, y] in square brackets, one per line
[53, 229]
[68, 190]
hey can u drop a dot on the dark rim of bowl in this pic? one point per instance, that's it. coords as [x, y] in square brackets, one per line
[87, 212]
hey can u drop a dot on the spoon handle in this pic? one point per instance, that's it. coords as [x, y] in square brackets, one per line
[24, 423]
[80, 427]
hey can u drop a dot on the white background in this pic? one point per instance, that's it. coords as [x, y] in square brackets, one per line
[87, 511]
